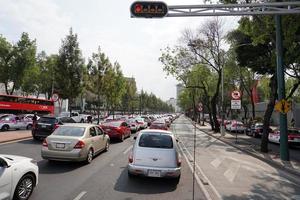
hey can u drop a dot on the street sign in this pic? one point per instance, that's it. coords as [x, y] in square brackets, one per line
[149, 9]
[55, 97]
[236, 104]
[283, 106]
[236, 94]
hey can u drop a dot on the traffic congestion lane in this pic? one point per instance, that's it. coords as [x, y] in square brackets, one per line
[234, 174]
[105, 178]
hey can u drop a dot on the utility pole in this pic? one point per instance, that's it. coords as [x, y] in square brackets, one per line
[284, 149]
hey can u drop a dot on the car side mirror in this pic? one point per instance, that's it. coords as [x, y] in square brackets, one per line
[3, 163]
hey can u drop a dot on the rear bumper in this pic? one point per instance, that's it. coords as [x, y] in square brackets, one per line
[74, 155]
[40, 134]
[144, 171]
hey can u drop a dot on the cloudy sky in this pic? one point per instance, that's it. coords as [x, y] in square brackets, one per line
[134, 43]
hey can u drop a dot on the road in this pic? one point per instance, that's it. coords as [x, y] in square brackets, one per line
[105, 178]
[222, 172]
[230, 173]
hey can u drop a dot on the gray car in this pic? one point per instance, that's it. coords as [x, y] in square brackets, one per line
[155, 154]
[75, 142]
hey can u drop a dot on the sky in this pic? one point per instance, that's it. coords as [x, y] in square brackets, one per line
[134, 43]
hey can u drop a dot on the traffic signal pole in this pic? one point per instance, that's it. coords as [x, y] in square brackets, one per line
[284, 149]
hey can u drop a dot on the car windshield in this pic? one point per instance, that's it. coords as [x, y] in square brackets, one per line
[156, 141]
[69, 131]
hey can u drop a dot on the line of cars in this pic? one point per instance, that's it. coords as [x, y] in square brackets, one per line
[154, 154]
[256, 130]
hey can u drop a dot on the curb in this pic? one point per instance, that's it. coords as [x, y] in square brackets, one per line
[16, 139]
[270, 162]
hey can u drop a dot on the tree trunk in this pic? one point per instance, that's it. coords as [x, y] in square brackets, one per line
[214, 102]
[12, 90]
[252, 104]
[268, 114]
[6, 87]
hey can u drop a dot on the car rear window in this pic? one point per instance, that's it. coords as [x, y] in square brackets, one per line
[294, 131]
[69, 131]
[156, 141]
[113, 124]
[47, 120]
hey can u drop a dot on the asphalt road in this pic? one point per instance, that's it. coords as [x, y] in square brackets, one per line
[228, 173]
[105, 178]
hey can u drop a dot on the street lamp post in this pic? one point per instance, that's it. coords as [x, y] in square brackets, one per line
[222, 102]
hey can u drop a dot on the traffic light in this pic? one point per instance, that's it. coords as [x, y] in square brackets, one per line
[149, 9]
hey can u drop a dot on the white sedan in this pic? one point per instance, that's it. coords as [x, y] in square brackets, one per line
[18, 177]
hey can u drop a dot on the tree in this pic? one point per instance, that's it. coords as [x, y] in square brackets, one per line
[69, 69]
[204, 47]
[259, 54]
[6, 54]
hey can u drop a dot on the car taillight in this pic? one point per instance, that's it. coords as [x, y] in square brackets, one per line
[45, 144]
[130, 158]
[56, 126]
[80, 144]
[290, 137]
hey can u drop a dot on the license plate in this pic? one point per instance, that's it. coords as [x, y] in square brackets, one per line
[154, 173]
[60, 145]
[44, 126]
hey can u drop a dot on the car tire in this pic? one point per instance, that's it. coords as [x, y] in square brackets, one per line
[106, 146]
[25, 185]
[29, 127]
[36, 138]
[122, 138]
[89, 156]
[177, 180]
[5, 127]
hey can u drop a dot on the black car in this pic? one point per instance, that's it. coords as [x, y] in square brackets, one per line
[256, 130]
[45, 126]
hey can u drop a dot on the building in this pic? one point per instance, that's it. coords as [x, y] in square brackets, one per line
[179, 89]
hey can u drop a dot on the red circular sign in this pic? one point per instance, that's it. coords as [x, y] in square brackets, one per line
[55, 97]
[236, 94]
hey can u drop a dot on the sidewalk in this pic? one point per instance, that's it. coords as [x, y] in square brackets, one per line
[9, 136]
[242, 143]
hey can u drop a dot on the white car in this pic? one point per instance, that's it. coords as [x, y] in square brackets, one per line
[155, 154]
[10, 121]
[18, 177]
[236, 126]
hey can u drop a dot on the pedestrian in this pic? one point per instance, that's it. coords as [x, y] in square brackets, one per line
[34, 119]
[293, 122]
[89, 119]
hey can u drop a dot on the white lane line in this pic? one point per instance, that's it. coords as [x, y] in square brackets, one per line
[202, 173]
[231, 173]
[80, 195]
[127, 150]
[207, 195]
[217, 162]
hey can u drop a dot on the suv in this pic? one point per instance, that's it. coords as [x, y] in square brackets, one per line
[45, 126]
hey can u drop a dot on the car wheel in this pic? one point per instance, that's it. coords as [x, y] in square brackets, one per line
[177, 179]
[25, 187]
[29, 127]
[122, 138]
[36, 138]
[5, 128]
[89, 156]
[106, 145]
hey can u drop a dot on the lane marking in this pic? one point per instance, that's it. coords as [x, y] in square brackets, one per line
[206, 194]
[202, 173]
[127, 150]
[217, 162]
[231, 173]
[80, 195]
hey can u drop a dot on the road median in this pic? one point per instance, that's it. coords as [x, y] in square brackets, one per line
[10, 136]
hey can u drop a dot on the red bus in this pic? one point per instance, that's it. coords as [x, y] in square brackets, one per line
[19, 104]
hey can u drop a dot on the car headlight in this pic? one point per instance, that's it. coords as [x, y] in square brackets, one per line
[33, 161]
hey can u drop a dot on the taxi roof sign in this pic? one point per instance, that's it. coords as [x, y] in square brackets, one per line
[148, 9]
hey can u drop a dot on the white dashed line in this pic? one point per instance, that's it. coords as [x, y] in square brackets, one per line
[127, 150]
[79, 196]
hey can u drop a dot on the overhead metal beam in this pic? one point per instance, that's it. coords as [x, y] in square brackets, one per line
[275, 8]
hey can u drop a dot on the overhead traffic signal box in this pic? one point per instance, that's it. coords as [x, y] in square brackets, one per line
[149, 9]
